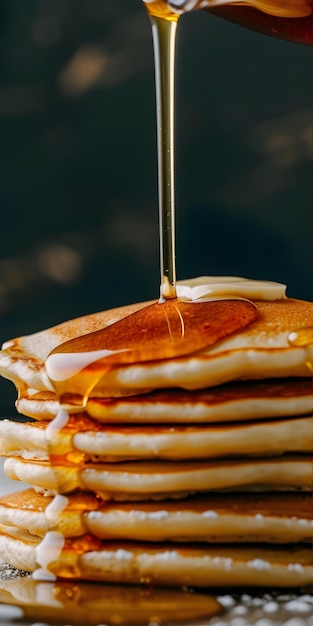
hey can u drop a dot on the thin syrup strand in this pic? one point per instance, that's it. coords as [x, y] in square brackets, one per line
[164, 38]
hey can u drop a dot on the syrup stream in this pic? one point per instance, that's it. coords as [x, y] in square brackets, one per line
[164, 38]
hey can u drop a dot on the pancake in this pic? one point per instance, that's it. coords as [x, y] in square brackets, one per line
[86, 440]
[88, 603]
[230, 402]
[261, 350]
[162, 564]
[164, 479]
[214, 518]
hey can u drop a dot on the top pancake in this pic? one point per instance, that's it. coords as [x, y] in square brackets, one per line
[261, 350]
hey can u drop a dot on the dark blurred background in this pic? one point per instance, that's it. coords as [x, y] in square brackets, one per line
[78, 189]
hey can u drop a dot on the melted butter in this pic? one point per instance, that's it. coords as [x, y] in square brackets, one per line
[157, 332]
[210, 287]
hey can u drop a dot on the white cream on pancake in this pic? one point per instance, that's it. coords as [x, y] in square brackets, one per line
[48, 551]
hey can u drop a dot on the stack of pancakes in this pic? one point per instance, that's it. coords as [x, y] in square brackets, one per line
[192, 471]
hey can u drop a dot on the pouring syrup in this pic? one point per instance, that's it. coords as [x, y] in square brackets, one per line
[168, 328]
